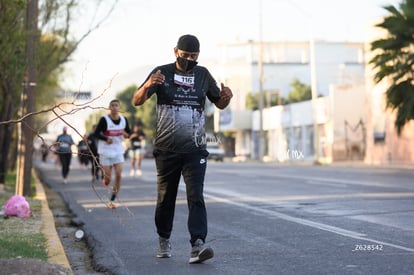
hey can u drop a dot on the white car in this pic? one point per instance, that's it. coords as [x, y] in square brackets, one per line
[215, 152]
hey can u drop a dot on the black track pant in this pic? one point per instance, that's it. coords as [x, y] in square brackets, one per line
[170, 167]
[65, 159]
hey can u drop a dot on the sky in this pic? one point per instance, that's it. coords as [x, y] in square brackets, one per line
[143, 33]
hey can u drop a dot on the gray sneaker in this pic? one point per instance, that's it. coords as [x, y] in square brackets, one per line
[164, 248]
[200, 252]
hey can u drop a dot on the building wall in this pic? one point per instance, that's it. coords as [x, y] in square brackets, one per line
[393, 149]
[384, 145]
[289, 130]
[349, 121]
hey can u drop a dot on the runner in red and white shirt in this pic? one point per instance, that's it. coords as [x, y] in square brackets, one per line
[110, 131]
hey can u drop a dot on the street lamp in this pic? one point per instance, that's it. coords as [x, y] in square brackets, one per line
[261, 80]
[314, 93]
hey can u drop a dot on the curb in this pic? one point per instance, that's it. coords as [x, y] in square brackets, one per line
[55, 250]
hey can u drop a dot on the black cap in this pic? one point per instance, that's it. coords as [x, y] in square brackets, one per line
[188, 43]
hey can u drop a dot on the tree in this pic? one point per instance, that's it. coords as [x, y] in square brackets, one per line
[51, 46]
[300, 92]
[12, 66]
[252, 101]
[128, 110]
[395, 61]
[271, 98]
[144, 114]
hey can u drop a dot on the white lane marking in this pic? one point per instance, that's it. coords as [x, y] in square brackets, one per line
[335, 180]
[317, 225]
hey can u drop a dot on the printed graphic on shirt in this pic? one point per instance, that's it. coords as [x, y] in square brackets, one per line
[114, 133]
[186, 96]
[180, 128]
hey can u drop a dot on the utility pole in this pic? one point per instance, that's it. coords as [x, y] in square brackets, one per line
[314, 90]
[261, 80]
[25, 154]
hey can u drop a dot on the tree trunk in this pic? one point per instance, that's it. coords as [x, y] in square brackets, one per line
[6, 133]
[27, 133]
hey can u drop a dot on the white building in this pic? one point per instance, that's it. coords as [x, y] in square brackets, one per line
[289, 129]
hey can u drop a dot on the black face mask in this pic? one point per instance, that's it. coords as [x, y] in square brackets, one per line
[185, 64]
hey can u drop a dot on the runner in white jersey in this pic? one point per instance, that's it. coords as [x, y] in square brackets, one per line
[110, 131]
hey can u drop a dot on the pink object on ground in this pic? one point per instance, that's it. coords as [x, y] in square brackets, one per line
[17, 206]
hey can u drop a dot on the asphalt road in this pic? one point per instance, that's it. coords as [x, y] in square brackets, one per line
[263, 219]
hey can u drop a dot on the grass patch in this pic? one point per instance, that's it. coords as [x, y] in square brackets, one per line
[30, 246]
[21, 237]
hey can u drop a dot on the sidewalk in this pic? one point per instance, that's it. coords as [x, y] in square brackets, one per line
[392, 165]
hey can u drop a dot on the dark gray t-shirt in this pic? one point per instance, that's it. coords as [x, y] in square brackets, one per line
[65, 143]
[180, 108]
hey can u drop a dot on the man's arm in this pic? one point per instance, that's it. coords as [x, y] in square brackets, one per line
[71, 141]
[100, 128]
[127, 130]
[225, 97]
[141, 94]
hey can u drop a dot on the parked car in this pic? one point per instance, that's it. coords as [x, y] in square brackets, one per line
[148, 150]
[215, 152]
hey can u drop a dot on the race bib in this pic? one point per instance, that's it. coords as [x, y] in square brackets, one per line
[184, 80]
[136, 143]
